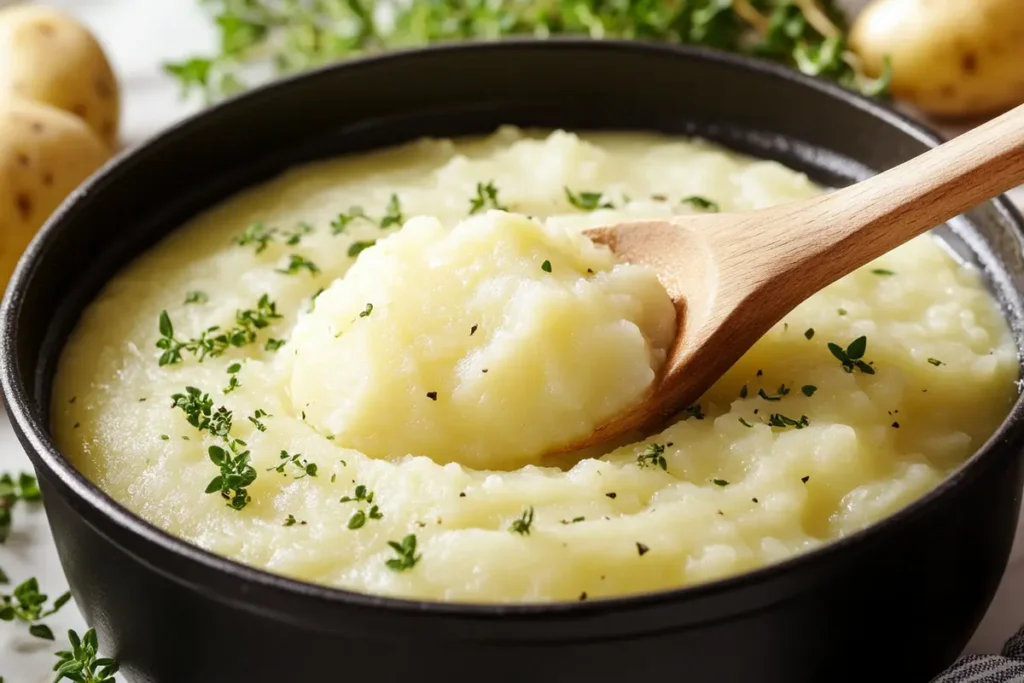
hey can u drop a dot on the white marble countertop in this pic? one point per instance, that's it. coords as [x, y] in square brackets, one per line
[140, 35]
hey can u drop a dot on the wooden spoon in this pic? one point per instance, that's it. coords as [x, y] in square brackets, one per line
[733, 276]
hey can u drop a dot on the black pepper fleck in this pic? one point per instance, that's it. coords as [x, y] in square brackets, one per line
[472, 330]
[896, 425]
[73, 399]
[804, 479]
[462, 495]
[754, 499]
[77, 425]
[432, 395]
[583, 596]
[759, 373]
[611, 495]
[641, 549]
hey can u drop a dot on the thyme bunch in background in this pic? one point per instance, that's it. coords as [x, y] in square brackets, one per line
[24, 487]
[295, 35]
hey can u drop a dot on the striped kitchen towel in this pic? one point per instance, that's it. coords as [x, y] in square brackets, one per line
[1007, 667]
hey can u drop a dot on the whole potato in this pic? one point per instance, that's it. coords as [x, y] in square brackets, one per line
[45, 153]
[48, 57]
[951, 58]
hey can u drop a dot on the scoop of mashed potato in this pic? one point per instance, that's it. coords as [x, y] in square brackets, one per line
[486, 345]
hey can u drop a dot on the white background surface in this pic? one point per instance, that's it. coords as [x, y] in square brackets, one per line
[139, 35]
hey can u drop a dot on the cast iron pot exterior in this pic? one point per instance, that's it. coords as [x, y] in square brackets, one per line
[895, 602]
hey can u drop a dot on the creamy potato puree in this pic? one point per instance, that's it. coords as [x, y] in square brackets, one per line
[862, 400]
[495, 341]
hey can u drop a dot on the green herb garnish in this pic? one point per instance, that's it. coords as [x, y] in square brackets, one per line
[587, 201]
[720, 482]
[406, 551]
[393, 213]
[366, 311]
[809, 334]
[883, 272]
[778, 420]
[936, 362]
[293, 237]
[256, 419]
[359, 517]
[213, 341]
[361, 494]
[701, 203]
[296, 264]
[522, 525]
[233, 382]
[196, 297]
[342, 221]
[274, 344]
[235, 474]
[808, 390]
[196, 405]
[307, 469]
[356, 248]
[486, 198]
[546, 266]
[258, 234]
[853, 355]
[653, 456]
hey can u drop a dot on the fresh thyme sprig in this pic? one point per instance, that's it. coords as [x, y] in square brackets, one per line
[24, 488]
[486, 198]
[82, 663]
[406, 551]
[653, 456]
[522, 525]
[213, 341]
[236, 474]
[809, 35]
[296, 264]
[28, 605]
[307, 469]
[702, 203]
[587, 201]
[852, 357]
[392, 217]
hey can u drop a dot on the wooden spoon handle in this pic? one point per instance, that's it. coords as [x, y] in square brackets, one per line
[820, 241]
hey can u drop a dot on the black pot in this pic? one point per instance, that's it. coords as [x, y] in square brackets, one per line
[895, 602]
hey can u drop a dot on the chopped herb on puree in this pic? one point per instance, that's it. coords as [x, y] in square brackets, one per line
[391, 349]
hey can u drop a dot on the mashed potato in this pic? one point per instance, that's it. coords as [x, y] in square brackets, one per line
[494, 341]
[246, 387]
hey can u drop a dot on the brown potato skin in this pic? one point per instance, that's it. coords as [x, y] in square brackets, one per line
[48, 57]
[950, 58]
[45, 153]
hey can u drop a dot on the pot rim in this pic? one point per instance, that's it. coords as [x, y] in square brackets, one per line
[89, 499]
